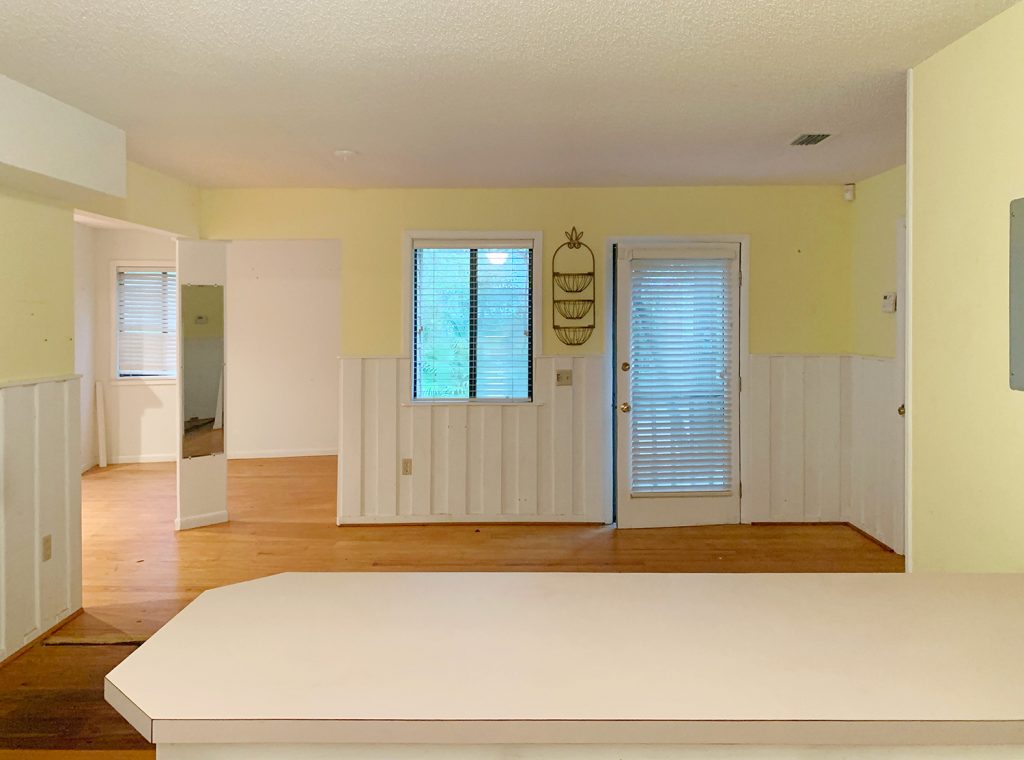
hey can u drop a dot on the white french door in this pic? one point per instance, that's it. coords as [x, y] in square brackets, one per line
[677, 384]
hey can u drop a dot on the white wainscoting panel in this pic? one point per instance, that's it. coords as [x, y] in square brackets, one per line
[874, 497]
[824, 443]
[40, 495]
[548, 461]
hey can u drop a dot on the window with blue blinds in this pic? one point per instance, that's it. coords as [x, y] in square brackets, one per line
[472, 323]
[682, 395]
[147, 316]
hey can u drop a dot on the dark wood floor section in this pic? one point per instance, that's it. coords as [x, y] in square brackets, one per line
[138, 573]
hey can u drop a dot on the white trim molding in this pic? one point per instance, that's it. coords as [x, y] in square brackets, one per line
[40, 503]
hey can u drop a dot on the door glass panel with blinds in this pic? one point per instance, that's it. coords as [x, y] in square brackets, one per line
[472, 322]
[677, 385]
[146, 322]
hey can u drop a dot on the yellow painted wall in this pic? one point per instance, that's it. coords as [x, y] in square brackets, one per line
[881, 203]
[37, 326]
[800, 246]
[967, 426]
[154, 200]
[206, 301]
[37, 266]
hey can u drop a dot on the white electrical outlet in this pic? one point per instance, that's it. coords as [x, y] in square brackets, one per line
[563, 377]
[407, 467]
[47, 547]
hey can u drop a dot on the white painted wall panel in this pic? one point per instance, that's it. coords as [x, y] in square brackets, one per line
[85, 339]
[474, 462]
[39, 496]
[824, 443]
[811, 427]
[141, 415]
[50, 148]
[822, 451]
[283, 304]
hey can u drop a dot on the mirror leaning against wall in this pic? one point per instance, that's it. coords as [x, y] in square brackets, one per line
[202, 342]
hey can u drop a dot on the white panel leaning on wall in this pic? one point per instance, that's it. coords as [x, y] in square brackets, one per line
[40, 509]
[520, 462]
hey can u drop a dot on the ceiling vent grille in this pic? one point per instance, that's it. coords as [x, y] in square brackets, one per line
[810, 139]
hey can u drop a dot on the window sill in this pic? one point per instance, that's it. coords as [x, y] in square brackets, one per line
[474, 404]
[144, 381]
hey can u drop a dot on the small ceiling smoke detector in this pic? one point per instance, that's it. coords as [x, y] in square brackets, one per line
[345, 154]
[810, 139]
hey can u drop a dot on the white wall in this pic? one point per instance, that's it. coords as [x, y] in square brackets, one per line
[283, 316]
[50, 148]
[282, 308]
[140, 414]
[39, 496]
[85, 306]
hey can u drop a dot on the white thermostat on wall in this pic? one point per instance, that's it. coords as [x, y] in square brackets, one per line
[889, 303]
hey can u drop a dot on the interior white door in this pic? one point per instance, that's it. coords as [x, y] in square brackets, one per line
[677, 385]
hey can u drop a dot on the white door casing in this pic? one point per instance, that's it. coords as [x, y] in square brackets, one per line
[678, 351]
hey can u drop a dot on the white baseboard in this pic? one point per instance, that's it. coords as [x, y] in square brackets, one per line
[200, 521]
[282, 453]
[142, 458]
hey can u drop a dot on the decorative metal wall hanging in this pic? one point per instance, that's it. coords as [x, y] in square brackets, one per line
[572, 277]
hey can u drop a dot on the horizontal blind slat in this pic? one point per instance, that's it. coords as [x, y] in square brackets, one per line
[681, 342]
[147, 303]
[472, 322]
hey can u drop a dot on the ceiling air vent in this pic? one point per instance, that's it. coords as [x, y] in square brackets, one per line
[809, 139]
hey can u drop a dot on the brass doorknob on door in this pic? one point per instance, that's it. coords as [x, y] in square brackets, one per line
[902, 411]
[624, 406]
[625, 366]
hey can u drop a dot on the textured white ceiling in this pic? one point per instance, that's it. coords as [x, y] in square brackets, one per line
[489, 92]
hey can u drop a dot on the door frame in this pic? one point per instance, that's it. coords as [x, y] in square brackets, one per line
[610, 299]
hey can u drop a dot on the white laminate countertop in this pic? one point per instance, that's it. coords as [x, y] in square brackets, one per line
[586, 658]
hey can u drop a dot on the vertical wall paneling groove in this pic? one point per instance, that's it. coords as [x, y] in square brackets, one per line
[422, 459]
[350, 439]
[823, 443]
[755, 441]
[72, 497]
[787, 439]
[387, 441]
[40, 450]
[820, 439]
[474, 462]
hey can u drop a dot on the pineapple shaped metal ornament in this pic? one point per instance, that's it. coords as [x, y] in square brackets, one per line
[572, 277]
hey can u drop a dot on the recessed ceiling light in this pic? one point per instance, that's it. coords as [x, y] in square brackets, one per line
[344, 154]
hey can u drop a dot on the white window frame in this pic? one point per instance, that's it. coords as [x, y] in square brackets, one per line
[167, 265]
[478, 239]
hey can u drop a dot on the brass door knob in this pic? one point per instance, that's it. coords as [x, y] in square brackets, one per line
[902, 411]
[625, 366]
[624, 406]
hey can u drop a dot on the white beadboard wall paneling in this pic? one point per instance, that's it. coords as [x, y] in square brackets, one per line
[876, 496]
[539, 462]
[40, 463]
[823, 443]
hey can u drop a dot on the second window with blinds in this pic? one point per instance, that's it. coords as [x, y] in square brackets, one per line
[145, 325]
[472, 319]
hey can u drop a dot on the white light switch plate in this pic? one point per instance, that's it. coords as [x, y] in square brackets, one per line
[889, 303]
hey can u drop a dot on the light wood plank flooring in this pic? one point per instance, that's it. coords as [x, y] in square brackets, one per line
[138, 573]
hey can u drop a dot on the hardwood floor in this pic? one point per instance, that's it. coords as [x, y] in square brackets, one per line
[137, 573]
